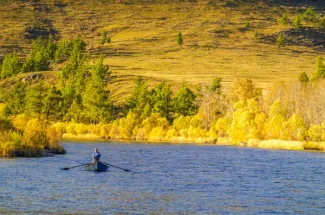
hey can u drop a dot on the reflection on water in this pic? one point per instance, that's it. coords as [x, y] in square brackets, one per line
[168, 179]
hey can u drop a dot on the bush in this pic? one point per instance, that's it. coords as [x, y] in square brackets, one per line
[303, 78]
[315, 132]
[280, 40]
[179, 38]
[105, 38]
[321, 22]
[157, 134]
[20, 122]
[256, 34]
[247, 24]
[104, 131]
[310, 15]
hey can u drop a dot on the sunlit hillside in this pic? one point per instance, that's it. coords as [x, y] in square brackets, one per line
[222, 38]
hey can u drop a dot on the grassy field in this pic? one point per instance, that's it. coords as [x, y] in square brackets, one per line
[216, 41]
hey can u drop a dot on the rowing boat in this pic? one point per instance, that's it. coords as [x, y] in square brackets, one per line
[96, 166]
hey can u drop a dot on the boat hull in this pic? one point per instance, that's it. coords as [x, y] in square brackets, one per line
[96, 167]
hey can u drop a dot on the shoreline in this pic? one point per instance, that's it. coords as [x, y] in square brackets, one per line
[274, 144]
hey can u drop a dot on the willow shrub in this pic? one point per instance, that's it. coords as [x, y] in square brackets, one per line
[29, 138]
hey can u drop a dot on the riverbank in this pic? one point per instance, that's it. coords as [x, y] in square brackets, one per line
[252, 143]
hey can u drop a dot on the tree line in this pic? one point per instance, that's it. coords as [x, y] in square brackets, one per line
[80, 104]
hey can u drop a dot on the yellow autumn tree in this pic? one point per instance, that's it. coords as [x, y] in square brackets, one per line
[294, 128]
[276, 119]
[197, 127]
[222, 126]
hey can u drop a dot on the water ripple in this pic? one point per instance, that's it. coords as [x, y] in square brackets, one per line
[167, 179]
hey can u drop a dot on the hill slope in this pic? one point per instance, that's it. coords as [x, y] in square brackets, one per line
[228, 39]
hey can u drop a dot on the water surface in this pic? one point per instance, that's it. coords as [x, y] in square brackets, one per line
[167, 179]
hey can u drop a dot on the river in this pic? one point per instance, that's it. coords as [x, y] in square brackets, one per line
[167, 179]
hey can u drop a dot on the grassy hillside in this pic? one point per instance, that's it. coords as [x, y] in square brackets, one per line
[217, 40]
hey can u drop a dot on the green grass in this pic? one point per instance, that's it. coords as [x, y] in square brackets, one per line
[216, 44]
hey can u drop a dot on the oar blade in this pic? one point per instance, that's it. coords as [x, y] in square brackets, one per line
[66, 168]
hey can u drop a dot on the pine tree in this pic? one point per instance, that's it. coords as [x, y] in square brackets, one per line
[320, 69]
[97, 107]
[303, 78]
[99, 73]
[185, 102]
[63, 50]
[52, 104]
[40, 56]
[16, 99]
[10, 66]
[162, 100]
[297, 21]
[34, 100]
[140, 101]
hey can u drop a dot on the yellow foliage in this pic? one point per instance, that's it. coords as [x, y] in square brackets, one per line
[114, 132]
[53, 143]
[294, 128]
[197, 121]
[31, 139]
[60, 127]
[20, 121]
[94, 129]
[276, 119]
[242, 119]
[171, 133]
[157, 134]
[258, 129]
[153, 126]
[315, 133]
[2, 109]
[197, 132]
[80, 128]
[182, 122]
[71, 128]
[35, 133]
[222, 126]
[126, 125]
[104, 131]
[141, 134]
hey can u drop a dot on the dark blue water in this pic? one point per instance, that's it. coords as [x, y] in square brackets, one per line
[168, 179]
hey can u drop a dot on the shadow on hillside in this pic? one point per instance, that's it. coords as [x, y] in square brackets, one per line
[111, 52]
[308, 36]
[295, 3]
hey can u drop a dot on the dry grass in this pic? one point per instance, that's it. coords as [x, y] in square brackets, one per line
[314, 146]
[276, 144]
[144, 40]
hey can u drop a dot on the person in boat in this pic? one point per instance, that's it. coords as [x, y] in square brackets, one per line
[96, 155]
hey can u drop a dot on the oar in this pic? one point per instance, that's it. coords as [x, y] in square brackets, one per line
[126, 170]
[67, 168]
